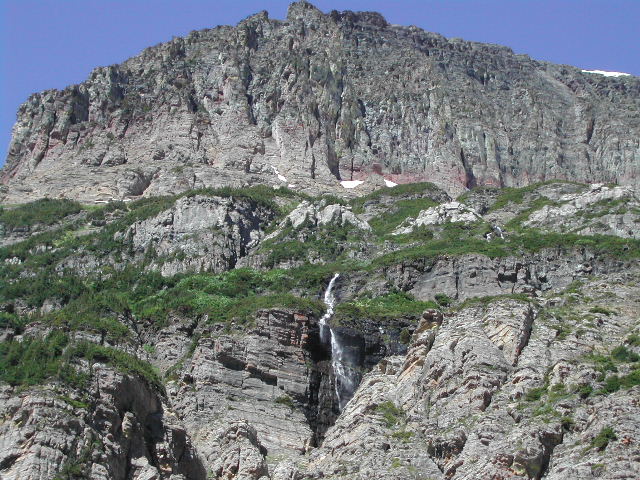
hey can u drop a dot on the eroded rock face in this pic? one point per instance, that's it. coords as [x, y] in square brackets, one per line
[464, 395]
[321, 215]
[242, 455]
[315, 99]
[447, 212]
[126, 431]
[199, 234]
[600, 210]
[276, 378]
[468, 276]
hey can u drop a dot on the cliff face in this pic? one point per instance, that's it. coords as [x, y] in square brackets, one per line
[319, 98]
[260, 334]
[219, 328]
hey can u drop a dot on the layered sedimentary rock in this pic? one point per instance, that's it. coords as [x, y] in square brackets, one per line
[117, 366]
[317, 98]
[261, 333]
[461, 403]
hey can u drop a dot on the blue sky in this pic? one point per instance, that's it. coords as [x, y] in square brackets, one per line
[54, 43]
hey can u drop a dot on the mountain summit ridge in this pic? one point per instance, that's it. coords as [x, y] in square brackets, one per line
[320, 98]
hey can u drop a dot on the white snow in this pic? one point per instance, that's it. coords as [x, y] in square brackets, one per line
[351, 183]
[282, 178]
[291, 185]
[389, 183]
[607, 74]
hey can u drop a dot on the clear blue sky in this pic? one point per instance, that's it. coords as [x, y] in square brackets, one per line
[55, 43]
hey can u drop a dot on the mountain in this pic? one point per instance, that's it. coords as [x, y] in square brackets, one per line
[176, 317]
[316, 99]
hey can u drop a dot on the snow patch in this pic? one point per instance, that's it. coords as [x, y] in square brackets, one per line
[389, 183]
[607, 74]
[351, 183]
[280, 177]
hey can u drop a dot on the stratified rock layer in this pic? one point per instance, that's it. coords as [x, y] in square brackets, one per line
[318, 98]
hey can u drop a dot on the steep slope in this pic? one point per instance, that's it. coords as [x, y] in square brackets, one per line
[265, 334]
[315, 99]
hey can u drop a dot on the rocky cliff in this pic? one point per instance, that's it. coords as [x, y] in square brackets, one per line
[319, 98]
[265, 334]
[220, 260]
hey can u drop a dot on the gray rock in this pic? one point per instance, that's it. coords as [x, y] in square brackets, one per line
[600, 210]
[444, 213]
[316, 99]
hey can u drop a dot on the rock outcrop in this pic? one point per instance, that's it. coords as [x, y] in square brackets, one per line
[492, 392]
[447, 212]
[600, 210]
[319, 98]
[317, 216]
[262, 334]
[199, 233]
[120, 429]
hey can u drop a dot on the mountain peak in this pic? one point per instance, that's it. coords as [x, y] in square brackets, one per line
[322, 98]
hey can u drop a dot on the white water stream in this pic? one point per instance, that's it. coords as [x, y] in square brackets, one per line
[346, 376]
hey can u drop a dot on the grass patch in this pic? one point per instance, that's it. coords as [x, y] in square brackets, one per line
[601, 441]
[535, 394]
[33, 361]
[46, 211]
[285, 400]
[391, 219]
[311, 243]
[422, 189]
[233, 295]
[517, 195]
[391, 415]
[380, 308]
[602, 310]
[124, 362]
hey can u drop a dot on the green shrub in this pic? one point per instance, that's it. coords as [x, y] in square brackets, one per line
[32, 360]
[601, 441]
[391, 414]
[623, 354]
[403, 435]
[535, 394]
[517, 195]
[405, 336]
[380, 308]
[443, 300]
[630, 380]
[11, 320]
[391, 219]
[584, 391]
[422, 189]
[567, 423]
[46, 211]
[285, 400]
[602, 310]
[124, 362]
[611, 384]
[603, 363]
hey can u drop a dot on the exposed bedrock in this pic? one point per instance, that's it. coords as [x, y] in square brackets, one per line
[317, 98]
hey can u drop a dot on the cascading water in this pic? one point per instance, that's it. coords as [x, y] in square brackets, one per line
[343, 365]
[329, 301]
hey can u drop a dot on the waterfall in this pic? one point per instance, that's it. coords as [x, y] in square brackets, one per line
[343, 365]
[329, 301]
